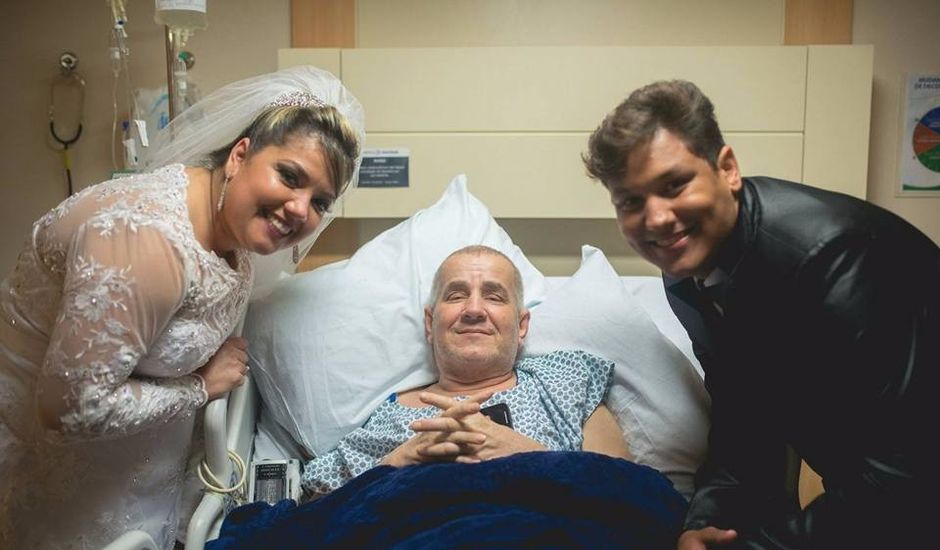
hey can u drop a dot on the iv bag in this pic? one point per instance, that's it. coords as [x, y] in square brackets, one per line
[183, 15]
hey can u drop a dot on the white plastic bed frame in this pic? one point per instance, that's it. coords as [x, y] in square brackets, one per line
[229, 424]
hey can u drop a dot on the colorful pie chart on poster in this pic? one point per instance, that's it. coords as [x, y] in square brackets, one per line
[919, 159]
[926, 140]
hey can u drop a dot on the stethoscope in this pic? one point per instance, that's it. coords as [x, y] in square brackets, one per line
[68, 81]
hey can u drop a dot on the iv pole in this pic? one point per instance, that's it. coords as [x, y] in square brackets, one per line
[171, 53]
[179, 20]
[217, 453]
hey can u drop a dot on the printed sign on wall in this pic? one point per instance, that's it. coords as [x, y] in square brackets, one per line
[920, 141]
[384, 168]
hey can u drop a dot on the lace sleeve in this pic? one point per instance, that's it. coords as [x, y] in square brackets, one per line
[123, 283]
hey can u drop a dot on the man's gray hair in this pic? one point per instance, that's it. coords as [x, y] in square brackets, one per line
[478, 250]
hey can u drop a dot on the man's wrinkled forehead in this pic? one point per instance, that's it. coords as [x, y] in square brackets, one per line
[494, 268]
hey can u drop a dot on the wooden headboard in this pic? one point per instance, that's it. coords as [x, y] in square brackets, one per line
[516, 120]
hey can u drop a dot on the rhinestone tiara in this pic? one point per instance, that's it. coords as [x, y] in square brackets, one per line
[296, 98]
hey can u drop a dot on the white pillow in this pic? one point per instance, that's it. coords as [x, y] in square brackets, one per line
[328, 346]
[657, 395]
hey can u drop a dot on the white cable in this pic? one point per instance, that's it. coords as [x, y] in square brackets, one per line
[216, 486]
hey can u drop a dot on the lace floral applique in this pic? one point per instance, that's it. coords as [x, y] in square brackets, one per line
[98, 354]
[119, 378]
[97, 289]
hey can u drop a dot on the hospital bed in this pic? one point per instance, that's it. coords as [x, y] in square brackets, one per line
[231, 425]
[798, 112]
[659, 397]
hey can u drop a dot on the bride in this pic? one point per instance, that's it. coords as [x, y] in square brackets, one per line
[116, 319]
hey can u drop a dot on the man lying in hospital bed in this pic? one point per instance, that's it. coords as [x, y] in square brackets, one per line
[328, 347]
[475, 326]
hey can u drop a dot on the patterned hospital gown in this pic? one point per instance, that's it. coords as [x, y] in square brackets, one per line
[553, 397]
[114, 300]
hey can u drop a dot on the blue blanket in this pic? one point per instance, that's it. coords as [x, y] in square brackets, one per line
[540, 500]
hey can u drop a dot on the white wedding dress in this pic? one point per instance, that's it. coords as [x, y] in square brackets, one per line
[112, 305]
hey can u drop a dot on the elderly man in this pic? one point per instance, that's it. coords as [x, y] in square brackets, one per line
[485, 404]
[815, 316]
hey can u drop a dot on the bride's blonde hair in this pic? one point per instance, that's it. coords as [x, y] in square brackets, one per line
[277, 125]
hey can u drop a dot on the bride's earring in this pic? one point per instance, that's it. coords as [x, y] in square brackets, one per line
[296, 254]
[218, 206]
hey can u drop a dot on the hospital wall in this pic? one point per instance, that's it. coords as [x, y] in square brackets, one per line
[903, 35]
[906, 36]
[244, 35]
[241, 41]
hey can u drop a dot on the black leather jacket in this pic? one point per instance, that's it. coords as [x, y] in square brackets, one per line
[828, 344]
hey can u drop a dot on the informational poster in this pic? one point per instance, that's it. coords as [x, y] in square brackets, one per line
[384, 168]
[920, 140]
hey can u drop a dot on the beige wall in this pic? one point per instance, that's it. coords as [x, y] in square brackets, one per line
[242, 40]
[906, 37]
[429, 23]
[903, 34]
[244, 35]
[424, 23]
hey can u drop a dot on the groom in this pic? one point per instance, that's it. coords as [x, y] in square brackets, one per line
[816, 318]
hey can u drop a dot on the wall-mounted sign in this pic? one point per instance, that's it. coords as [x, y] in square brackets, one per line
[384, 168]
[920, 140]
